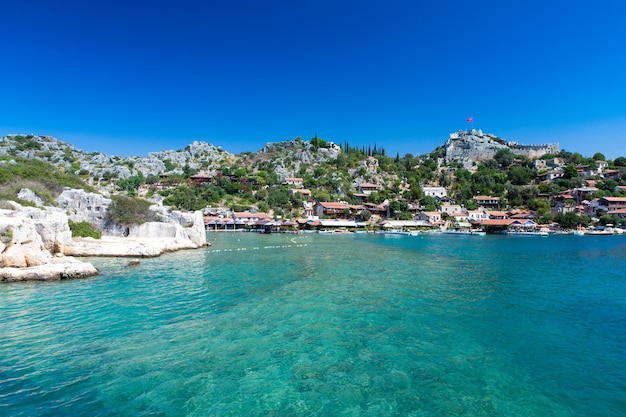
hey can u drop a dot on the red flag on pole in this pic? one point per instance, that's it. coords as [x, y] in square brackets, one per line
[469, 120]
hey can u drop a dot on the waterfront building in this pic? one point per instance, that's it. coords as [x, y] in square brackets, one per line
[296, 182]
[488, 202]
[367, 188]
[331, 209]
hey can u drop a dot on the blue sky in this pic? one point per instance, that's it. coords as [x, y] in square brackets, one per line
[126, 78]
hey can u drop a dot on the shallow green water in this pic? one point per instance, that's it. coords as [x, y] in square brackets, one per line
[313, 325]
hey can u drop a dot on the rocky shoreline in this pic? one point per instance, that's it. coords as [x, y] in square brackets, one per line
[36, 243]
[58, 269]
[111, 246]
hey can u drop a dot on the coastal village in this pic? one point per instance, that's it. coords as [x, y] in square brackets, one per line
[490, 215]
[59, 202]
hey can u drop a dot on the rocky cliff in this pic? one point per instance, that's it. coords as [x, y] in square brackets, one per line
[285, 157]
[471, 147]
[31, 245]
[96, 165]
[35, 240]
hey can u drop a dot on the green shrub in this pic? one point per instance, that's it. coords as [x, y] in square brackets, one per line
[43, 178]
[84, 229]
[128, 210]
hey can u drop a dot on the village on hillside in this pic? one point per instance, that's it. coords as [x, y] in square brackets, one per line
[489, 214]
[490, 217]
[475, 183]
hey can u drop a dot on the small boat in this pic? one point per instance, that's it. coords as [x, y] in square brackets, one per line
[456, 232]
[542, 233]
[334, 232]
[599, 232]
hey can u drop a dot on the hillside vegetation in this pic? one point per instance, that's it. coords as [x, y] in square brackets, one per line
[257, 180]
[46, 180]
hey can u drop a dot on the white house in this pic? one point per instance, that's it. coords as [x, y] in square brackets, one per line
[477, 215]
[436, 192]
[297, 182]
[432, 217]
[451, 209]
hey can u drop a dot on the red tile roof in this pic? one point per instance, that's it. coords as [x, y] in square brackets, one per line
[301, 191]
[248, 215]
[615, 199]
[497, 222]
[332, 205]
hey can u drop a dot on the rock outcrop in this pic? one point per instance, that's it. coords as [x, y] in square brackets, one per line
[82, 206]
[471, 147]
[21, 246]
[34, 241]
[29, 237]
[146, 240]
[288, 156]
[58, 268]
[97, 166]
[28, 195]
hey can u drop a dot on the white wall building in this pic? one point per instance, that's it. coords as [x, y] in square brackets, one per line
[436, 192]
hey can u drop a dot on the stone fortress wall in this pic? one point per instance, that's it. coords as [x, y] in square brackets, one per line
[470, 147]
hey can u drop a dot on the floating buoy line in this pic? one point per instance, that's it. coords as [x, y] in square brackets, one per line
[294, 244]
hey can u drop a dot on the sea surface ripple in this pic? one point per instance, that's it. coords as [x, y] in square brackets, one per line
[314, 325]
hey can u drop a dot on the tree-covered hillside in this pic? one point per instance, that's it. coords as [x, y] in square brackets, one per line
[202, 175]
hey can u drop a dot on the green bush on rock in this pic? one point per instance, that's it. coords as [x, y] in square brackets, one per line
[128, 210]
[84, 229]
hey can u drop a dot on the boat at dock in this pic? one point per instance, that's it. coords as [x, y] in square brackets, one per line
[541, 233]
[599, 232]
[464, 232]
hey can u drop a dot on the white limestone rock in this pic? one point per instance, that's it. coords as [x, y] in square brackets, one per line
[83, 206]
[187, 229]
[52, 226]
[28, 238]
[23, 246]
[26, 194]
[57, 269]
[178, 231]
[115, 246]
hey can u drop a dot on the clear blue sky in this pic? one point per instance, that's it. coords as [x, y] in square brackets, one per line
[129, 77]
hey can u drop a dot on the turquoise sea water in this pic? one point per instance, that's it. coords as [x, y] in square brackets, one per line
[314, 325]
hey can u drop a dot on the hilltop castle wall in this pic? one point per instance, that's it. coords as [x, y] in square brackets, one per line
[473, 146]
[535, 151]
